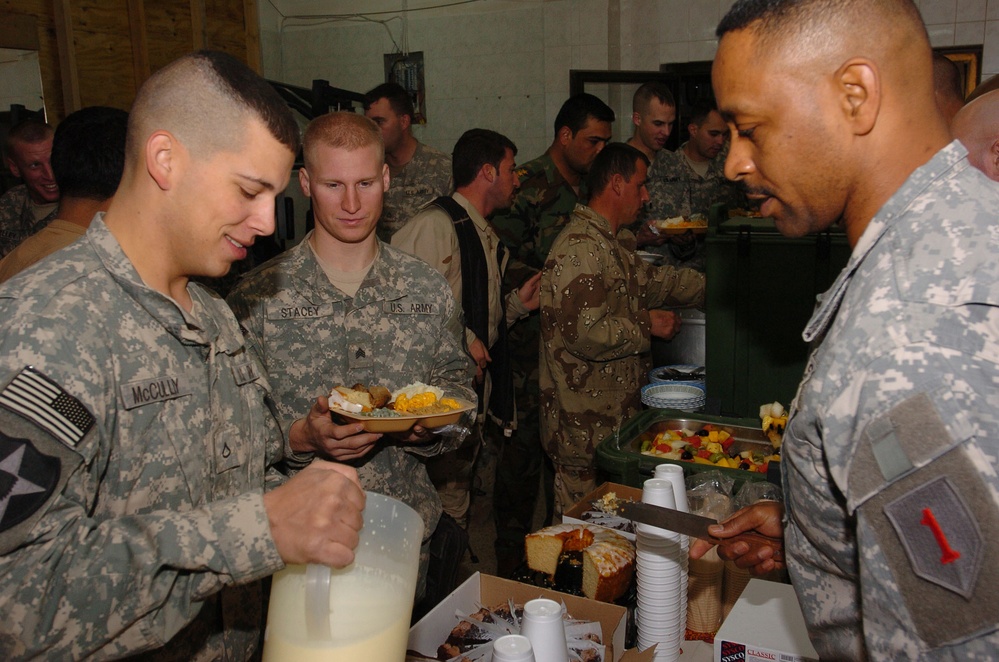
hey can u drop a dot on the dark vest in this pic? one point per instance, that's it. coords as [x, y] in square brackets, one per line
[475, 305]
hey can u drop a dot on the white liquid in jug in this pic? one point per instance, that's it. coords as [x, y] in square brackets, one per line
[369, 620]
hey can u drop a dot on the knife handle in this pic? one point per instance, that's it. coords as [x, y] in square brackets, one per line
[756, 540]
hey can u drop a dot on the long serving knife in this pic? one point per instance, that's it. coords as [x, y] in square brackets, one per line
[691, 525]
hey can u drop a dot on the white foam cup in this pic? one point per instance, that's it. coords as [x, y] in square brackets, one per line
[543, 625]
[513, 648]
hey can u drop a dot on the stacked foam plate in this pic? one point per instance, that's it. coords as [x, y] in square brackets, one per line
[692, 375]
[669, 395]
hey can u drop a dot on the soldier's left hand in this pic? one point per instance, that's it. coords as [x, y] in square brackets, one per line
[415, 435]
[530, 291]
[647, 236]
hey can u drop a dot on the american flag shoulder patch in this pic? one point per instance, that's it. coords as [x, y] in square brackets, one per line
[43, 402]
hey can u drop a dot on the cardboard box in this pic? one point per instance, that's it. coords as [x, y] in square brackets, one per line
[765, 624]
[574, 514]
[431, 630]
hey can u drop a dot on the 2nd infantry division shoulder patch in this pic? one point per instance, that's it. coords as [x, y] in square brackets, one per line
[27, 480]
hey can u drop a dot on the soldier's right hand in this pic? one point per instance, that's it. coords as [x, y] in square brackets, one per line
[317, 433]
[763, 517]
[665, 323]
[315, 517]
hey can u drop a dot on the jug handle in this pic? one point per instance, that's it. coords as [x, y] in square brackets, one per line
[317, 602]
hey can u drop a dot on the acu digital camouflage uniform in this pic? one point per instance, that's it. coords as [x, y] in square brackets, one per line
[891, 452]
[137, 520]
[540, 210]
[676, 190]
[402, 326]
[17, 220]
[425, 177]
[596, 340]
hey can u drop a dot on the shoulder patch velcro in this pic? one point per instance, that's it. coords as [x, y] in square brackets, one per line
[27, 480]
[37, 398]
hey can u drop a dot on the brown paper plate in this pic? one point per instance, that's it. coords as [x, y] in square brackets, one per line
[697, 227]
[403, 423]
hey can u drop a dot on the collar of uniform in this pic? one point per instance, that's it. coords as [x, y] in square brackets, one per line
[942, 163]
[379, 285]
[160, 307]
[594, 219]
[473, 213]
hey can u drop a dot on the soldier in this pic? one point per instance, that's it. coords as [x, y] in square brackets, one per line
[890, 452]
[947, 86]
[343, 307]
[88, 154]
[27, 207]
[141, 506]
[690, 180]
[550, 186]
[418, 173]
[653, 114]
[454, 236]
[976, 125]
[598, 302]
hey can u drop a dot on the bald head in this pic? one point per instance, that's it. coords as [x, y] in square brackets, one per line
[205, 99]
[341, 130]
[976, 125]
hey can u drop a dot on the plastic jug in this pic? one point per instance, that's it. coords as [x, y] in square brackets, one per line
[360, 612]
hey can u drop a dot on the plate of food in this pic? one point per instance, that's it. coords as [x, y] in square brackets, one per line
[381, 410]
[681, 224]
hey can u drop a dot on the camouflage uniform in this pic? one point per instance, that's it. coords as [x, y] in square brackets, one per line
[596, 342]
[541, 209]
[425, 177]
[135, 519]
[401, 327]
[17, 220]
[891, 452]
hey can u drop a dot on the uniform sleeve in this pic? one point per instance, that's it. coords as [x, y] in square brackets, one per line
[669, 286]
[430, 236]
[514, 229]
[592, 328]
[75, 584]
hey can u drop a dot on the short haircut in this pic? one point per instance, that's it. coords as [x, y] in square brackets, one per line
[30, 132]
[947, 78]
[397, 97]
[781, 22]
[341, 130]
[614, 159]
[205, 99]
[474, 149]
[699, 112]
[88, 152]
[646, 92]
[580, 107]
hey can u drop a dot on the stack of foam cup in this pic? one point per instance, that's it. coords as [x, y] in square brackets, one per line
[513, 648]
[661, 575]
[674, 474]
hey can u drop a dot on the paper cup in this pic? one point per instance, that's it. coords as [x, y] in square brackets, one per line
[513, 648]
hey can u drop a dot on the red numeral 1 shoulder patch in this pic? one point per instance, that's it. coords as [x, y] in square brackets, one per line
[939, 534]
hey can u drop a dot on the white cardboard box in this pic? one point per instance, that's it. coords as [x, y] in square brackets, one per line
[765, 624]
[431, 630]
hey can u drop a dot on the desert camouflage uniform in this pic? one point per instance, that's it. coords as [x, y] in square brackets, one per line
[596, 341]
[891, 452]
[425, 177]
[401, 327]
[140, 522]
[17, 221]
[541, 209]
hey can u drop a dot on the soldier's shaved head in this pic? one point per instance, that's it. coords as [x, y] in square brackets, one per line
[341, 130]
[976, 125]
[850, 80]
[205, 100]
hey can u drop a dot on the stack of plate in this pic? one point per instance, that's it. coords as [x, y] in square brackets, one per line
[670, 395]
[692, 375]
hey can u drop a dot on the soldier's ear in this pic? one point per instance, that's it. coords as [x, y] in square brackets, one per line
[489, 172]
[303, 181]
[564, 135]
[164, 158]
[617, 182]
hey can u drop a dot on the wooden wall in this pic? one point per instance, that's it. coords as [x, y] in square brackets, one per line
[98, 52]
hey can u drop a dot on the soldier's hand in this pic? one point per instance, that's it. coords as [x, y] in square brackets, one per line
[665, 323]
[318, 433]
[529, 292]
[764, 517]
[415, 435]
[683, 240]
[648, 235]
[315, 517]
[481, 357]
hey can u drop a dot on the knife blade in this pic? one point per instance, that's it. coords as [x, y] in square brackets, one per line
[692, 525]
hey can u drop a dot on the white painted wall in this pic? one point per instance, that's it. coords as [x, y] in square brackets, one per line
[504, 64]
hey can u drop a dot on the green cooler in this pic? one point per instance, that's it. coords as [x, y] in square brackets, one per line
[761, 291]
